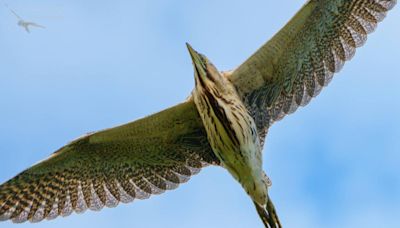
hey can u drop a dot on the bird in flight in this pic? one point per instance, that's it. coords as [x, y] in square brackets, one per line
[23, 23]
[223, 123]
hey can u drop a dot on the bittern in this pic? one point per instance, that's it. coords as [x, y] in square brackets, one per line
[224, 122]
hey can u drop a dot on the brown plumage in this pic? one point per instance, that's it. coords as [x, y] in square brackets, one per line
[133, 161]
[155, 154]
[303, 56]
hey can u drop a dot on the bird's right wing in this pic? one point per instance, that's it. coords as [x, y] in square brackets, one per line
[132, 161]
[15, 14]
[302, 57]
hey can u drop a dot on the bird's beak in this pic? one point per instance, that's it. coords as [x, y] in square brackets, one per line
[198, 63]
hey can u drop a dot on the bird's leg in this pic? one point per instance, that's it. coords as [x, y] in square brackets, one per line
[268, 214]
[27, 29]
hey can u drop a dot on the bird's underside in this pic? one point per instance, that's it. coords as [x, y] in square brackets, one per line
[157, 153]
[232, 134]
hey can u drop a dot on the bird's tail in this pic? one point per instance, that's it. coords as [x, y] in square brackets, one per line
[268, 214]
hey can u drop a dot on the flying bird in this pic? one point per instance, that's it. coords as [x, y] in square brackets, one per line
[27, 24]
[23, 23]
[223, 123]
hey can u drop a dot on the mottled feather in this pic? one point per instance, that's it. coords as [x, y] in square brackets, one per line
[132, 161]
[301, 58]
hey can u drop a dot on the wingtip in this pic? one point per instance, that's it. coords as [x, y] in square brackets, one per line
[391, 6]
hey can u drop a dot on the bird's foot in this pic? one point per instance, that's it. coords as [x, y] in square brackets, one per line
[268, 214]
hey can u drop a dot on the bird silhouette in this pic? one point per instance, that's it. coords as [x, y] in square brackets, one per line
[223, 123]
[23, 23]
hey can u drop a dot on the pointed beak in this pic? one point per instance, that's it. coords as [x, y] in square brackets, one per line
[195, 57]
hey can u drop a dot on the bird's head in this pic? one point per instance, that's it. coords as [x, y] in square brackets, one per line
[206, 74]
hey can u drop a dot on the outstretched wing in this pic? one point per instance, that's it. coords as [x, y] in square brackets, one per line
[301, 59]
[15, 14]
[35, 25]
[121, 164]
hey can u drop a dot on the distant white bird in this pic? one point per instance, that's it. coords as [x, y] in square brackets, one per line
[26, 25]
[23, 23]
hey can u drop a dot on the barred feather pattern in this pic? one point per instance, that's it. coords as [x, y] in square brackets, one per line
[302, 60]
[38, 197]
[134, 161]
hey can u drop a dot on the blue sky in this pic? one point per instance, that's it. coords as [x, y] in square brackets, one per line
[335, 163]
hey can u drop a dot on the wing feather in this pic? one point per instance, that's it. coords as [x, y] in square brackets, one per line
[301, 59]
[132, 161]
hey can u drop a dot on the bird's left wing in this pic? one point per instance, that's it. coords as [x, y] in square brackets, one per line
[121, 164]
[35, 25]
[302, 57]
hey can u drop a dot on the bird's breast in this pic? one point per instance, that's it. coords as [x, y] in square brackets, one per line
[231, 132]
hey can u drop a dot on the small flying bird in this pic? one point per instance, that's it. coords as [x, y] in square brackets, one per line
[224, 123]
[24, 24]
